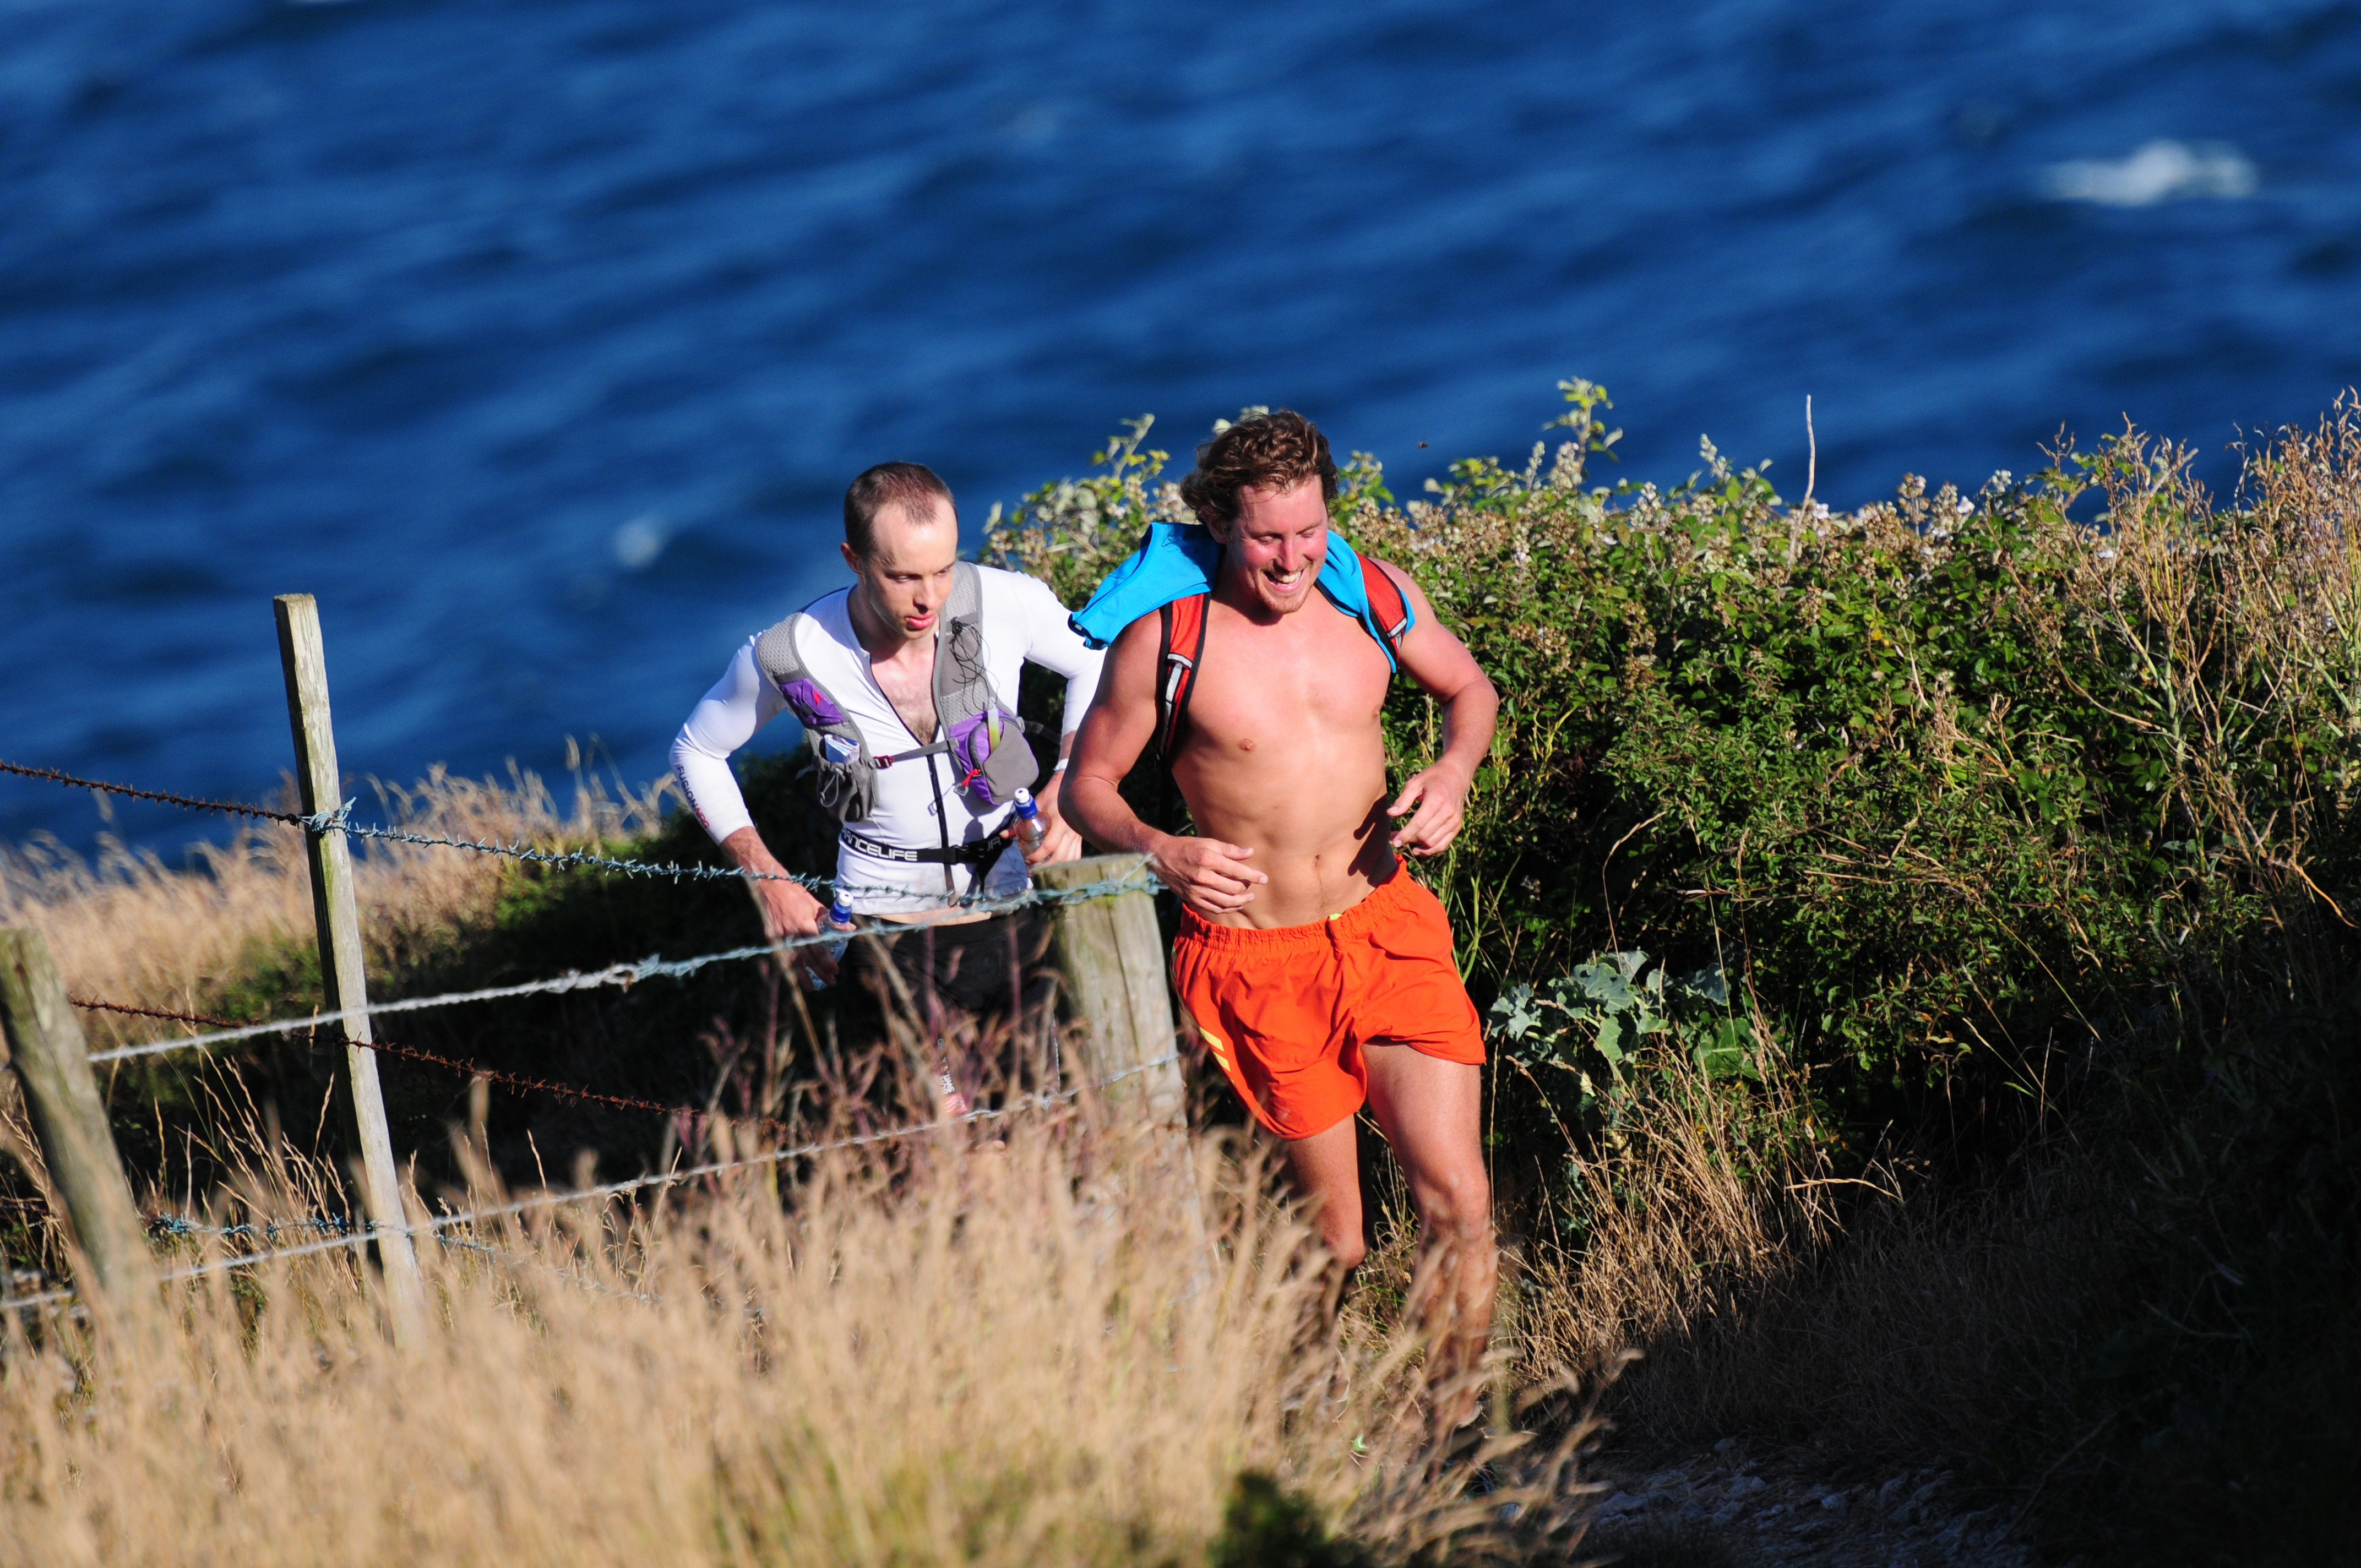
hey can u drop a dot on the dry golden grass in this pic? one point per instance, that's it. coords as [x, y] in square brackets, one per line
[130, 928]
[1009, 1356]
[1695, 1222]
[1018, 1356]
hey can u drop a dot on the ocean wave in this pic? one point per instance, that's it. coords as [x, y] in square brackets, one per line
[639, 541]
[2160, 172]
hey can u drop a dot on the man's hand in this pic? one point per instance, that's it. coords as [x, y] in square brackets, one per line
[1211, 877]
[788, 908]
[1440, 793]
[1058, 839]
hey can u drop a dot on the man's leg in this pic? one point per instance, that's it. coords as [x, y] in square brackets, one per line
[1327, 1170]
[1431, 1111]
[989, 980]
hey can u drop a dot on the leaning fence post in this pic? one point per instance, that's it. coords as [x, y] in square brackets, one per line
[343, 971]
[42, 1041]
[1111, 955]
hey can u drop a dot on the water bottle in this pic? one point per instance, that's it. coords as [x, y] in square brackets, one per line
[948, 1098]
[839, 915]
[1030, 831]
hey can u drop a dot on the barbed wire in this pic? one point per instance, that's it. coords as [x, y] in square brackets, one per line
[340, 820]
[164, 1013]
[180, 1225]
[572, 980]
[366, 1230]
[191, 802]
[572, 859]
[566, 1090]
[350, 1235]
[452, 1064]
[623, 974]
[48, 1299]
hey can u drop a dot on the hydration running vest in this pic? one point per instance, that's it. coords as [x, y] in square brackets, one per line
[983, 736]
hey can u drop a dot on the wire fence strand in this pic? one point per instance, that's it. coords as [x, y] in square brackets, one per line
[575, 859]
[339, 820]
[515, 1081]
[620, 974]
[48, 1298]
[623, 974]
[349, 1235]
[360, 1234]
[193, 803]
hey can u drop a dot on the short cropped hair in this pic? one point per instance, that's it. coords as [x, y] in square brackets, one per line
[1276, 451]
[914, 484]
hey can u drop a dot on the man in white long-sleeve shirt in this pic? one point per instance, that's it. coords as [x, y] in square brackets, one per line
[926, 839]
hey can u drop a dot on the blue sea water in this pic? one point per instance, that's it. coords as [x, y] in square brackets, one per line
[539, 339]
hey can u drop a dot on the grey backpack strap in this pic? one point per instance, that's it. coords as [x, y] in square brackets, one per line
[845, 775]
[986, 737]
[962, 687]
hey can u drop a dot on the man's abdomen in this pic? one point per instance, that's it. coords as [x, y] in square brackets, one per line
[1320, 834]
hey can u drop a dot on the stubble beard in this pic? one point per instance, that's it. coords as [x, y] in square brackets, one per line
[1259, 590]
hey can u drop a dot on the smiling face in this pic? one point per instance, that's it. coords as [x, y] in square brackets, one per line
[1272, 553]
[907, 574]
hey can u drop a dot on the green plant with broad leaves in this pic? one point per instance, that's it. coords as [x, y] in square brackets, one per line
[1607, 1010]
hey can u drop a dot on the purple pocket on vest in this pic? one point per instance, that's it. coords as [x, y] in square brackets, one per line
[971, 742]
[973, 745]
[810, 704]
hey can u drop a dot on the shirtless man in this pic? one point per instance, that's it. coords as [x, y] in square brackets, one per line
[1320, 973]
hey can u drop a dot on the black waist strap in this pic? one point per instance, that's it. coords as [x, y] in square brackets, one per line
[983, 851]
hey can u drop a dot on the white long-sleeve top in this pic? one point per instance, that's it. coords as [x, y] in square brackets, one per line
[916, 804]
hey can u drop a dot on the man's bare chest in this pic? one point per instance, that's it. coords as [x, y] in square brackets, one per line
[1257, 685]
[912, 694]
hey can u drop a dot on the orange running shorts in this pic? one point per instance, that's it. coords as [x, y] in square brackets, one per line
[1286, 1011]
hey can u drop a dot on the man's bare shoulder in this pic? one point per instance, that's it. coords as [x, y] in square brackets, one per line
[1146, 631]
[1129, 673]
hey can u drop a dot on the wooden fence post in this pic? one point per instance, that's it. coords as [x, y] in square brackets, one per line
[1111, 955]
[42, 1041]
[343, 970]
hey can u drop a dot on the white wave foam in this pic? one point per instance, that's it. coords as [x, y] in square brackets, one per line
[2160, 172]
[639, 541]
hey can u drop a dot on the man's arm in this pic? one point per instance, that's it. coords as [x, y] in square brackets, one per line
[1052, 643]
[1059, 839]
[1435, 658]
[725, 720]
[1211, 877]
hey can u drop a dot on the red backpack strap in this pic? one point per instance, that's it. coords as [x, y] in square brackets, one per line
[1388, 608]
[1178, 652]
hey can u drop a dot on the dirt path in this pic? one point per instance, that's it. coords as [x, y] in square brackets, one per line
[1727, 1506]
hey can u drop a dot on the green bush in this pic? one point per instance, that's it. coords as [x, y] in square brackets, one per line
[1953, 779]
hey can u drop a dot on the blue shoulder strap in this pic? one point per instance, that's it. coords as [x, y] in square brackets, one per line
[1175, 560]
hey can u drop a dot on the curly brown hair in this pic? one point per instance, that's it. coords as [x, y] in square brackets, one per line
[1275, 450]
